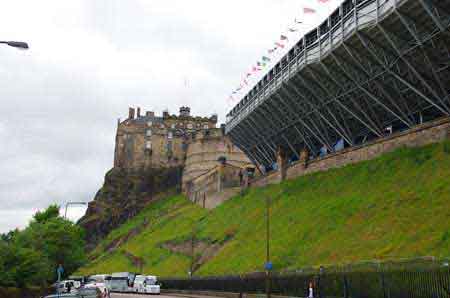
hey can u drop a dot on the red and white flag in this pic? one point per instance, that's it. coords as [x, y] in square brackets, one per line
[280, 45]
[308, 10]
[323, 1]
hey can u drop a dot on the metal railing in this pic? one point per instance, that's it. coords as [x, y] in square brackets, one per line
[378, 280]
[362, 14]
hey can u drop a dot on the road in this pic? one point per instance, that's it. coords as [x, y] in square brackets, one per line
[116, 295]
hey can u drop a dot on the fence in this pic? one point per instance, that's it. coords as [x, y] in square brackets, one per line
[428, 279]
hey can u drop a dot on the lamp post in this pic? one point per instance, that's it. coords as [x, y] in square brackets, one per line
[73, 203]
[268, 263]
[16, 44]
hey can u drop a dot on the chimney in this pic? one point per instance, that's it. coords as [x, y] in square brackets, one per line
[138, 112]
[130, 113]
[185, 111]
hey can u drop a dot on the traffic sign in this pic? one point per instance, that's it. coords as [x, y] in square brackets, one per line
[268, 266]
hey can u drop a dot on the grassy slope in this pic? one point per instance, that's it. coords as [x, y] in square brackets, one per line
[391, 207]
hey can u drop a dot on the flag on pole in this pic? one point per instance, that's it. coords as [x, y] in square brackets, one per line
[248, 74]
[245, 82]
[308, 10]
[264, 58]
[292, 30]
[283, 37]
[280, 45]
[272, 50]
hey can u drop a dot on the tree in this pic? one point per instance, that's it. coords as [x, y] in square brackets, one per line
[52, 211]
[32, 255]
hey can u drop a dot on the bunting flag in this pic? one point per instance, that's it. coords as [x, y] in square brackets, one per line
[265, 60]
[260, 64]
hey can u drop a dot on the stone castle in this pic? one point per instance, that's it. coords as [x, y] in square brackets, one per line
[191, 142]
[148, 140]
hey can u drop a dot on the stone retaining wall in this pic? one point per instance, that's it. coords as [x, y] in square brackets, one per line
[421, 135]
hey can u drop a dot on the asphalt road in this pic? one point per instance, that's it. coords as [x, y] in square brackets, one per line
[117, 295]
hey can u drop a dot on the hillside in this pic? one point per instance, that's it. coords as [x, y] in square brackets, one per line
[392, 207]
[122, 195]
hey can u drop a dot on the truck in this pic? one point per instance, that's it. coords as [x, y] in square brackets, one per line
[147, 284]
[122, 282]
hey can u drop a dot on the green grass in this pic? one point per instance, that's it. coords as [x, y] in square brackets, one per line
[396, 206]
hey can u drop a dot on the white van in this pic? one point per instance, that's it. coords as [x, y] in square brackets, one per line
[146, 284]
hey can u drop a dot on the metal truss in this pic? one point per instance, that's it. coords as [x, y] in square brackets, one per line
[383, 63]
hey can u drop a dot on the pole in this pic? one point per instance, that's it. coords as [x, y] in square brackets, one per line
[268, 270]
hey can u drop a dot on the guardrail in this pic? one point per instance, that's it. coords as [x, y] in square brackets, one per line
[360, 14]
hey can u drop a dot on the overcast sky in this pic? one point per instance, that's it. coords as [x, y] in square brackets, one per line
[90, 60]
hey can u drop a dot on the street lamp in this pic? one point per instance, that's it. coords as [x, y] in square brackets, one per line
[16, 44]
[73, 203]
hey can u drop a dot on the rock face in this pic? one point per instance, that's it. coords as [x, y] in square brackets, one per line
[123, 194]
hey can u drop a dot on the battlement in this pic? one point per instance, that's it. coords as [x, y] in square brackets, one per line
[147, 139]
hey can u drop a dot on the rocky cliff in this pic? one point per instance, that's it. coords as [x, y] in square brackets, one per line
[123, 195]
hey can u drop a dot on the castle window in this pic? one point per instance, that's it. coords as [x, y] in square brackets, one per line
[148, 145]
[205, 126]
[149, 123]
[170, 135]
[189, 126]
[173, 126]
[149, 133]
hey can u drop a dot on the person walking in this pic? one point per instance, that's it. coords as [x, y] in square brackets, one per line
[311, 291]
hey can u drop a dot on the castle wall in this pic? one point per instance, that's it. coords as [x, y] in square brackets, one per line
[204, 151]
[427, 133]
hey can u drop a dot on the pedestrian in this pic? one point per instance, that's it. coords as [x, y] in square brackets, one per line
[69, 287]
[310, 290]
[106, 293]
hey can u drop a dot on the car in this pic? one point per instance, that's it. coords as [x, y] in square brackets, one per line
[78, 293]
[147, 284]
[100, 281]
[63, 286]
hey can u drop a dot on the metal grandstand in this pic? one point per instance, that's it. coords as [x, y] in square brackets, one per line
[373, 67]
